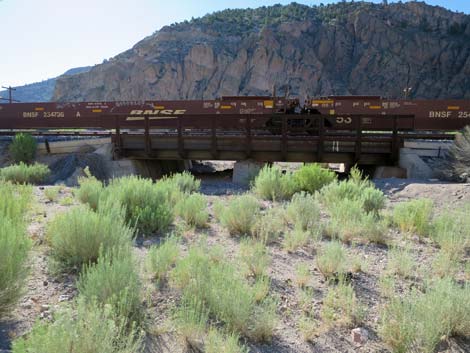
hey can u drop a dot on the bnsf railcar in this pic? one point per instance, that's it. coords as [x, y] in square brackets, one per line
[263, 113]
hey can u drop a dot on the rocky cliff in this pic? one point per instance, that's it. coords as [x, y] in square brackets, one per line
[39, 91]
[346, 48]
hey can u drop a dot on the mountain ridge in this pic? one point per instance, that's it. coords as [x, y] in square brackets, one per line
[345, 48]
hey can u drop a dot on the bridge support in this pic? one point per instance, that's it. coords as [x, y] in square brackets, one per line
[411, 157]
[245, 171]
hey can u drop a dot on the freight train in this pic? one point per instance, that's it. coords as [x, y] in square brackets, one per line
[266, 114]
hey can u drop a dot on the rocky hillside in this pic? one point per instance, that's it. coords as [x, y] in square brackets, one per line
[40, 91]
[346, 48]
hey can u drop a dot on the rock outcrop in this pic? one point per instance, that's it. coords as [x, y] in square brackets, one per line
[347, 48]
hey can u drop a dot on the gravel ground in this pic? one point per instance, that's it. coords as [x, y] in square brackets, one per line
[45, 292]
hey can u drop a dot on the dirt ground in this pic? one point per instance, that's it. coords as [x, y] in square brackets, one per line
[46, 292]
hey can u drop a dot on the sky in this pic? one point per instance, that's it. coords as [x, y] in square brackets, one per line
[41, 39]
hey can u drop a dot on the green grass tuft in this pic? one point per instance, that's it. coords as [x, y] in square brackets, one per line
[161, 257]
[114, 281]
[89, 328]
[78, 235]
[312, 177]
[272, 184]
[420, 320]
[331, 260]
[239, 214]
[193, 210]
[413, 216]
[25, 174]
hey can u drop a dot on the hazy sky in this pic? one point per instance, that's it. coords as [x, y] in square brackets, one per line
[41, 39]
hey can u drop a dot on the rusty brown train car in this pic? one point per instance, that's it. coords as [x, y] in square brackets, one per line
[265, 114]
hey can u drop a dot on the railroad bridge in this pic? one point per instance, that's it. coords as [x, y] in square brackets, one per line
[366, 130]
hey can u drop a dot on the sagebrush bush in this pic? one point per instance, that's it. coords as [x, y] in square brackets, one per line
[193, 210]
[89, 191]
[420, 320]
[302, 274]
[216, 342]
[89, 328]
[413, 216]
[296, 239]
[14, 249]
[254, 257]
[268, 227]
[303, 211]
[400, 262]
[444, 266]
[312, 177]
[14, 201]
[161, 257]
[451, 230]
[146, 204]
[350, 222]
[331, 260]
[114, 281]
[25, 173]
[52, 193]
[272, 184]
[190, 318]
[78, 235]
[23, 148]
[239, 214]
[356, 188]
[185, 182]
[341, 307]
[225, 294]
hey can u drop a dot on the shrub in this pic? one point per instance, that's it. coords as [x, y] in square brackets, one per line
[451, 231]
[114, 281]
[78, 235]
[225, 294]
[356, 188]
[302, 275]
[67, 201]
[444, 266]
[331, 261]
[219, 343]
[25, 174]
[14, 248]
[239, 215]
[400, 262]
[146, 204]
[419, 321]
[193, 210]
[312, 177]
[304, 212]
[296, 239]
[23, 148]
[349, 221]
[90, 190]
[413, 216]
[161, 257]
[341, 307]
[52, 193]
[92, 328]
[386, 285]
[191, 318]
[269, 226]
[14, 201]
[308, 327]
[185, 182]
[272, 184]
[254, 257]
